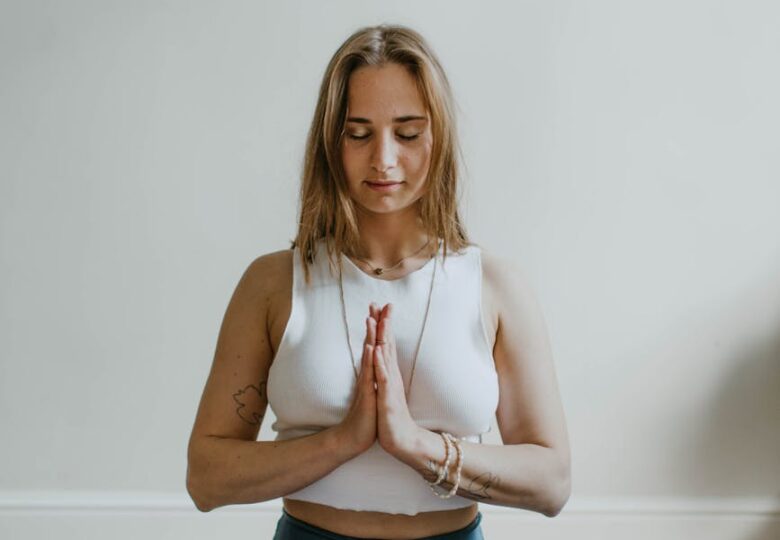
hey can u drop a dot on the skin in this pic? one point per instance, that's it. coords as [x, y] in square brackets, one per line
[530, 470]
[389, 223]
[388, 137]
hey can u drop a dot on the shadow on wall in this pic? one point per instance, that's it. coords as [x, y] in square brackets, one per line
[717, 385]
[733, 440]
[767, 531]
[734, 450]
[732, 443]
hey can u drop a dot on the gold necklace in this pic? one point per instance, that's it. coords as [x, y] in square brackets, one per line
[419, 340]
[379, 271]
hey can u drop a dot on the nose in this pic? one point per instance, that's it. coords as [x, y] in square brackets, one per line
[385, 152]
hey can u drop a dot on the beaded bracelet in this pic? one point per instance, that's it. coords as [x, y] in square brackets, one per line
[459, 467]
[443, 470]
[455, 442]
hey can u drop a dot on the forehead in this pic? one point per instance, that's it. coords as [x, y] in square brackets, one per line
[381, 93]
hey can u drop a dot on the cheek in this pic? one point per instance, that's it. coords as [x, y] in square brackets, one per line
[350, 160]
[418, 161]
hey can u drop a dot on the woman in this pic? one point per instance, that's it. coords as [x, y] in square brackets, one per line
[381, 440]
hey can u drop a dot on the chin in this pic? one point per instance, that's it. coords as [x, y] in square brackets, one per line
[388, 208]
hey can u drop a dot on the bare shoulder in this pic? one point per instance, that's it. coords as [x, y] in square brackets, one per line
[268, 267]
[266, 283]
[274, 274]
[506, 282]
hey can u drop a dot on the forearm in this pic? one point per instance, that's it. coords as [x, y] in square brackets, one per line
[527, 476]
[232, 471]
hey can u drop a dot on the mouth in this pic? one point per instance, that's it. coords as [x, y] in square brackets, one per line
[383, 186]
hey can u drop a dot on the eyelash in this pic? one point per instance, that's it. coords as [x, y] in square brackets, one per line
[355, 137]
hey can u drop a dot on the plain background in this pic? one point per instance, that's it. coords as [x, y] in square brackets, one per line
[626, 154]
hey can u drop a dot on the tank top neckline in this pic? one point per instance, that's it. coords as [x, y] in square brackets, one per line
[419, 271]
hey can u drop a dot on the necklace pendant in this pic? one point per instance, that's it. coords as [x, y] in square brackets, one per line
[378, 271]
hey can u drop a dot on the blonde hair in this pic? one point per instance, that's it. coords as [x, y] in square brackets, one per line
[326, 208]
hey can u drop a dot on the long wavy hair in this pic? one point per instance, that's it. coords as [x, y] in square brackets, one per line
[326, 210]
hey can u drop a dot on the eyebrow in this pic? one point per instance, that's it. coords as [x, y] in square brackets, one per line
[400, 119]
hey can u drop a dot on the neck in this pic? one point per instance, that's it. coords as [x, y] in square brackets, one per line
[387, 238]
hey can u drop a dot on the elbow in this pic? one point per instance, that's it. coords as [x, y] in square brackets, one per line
[559, 492]
[559, 502]
[195, 485]
[197, 495]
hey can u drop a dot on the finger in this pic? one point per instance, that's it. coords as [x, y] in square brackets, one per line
[377, 319]
[368, 352]
[380, 332]
[372, 376]
[365, 356]
[388, 360]
[387, 330]
[370, 379]
[372, 346]
[370, 330]
[371, 334]
[389, 368]
[371, 369]
[379, 312]
[379, 363]
[387, 309]
[389, 354]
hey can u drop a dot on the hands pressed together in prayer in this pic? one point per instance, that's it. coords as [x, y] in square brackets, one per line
[379, 410]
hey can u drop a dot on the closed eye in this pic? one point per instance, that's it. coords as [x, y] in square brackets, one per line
[363, 137]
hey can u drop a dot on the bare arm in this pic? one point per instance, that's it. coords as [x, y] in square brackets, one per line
[528, 476]
[226, 464]
[531, 470]
[232, 471]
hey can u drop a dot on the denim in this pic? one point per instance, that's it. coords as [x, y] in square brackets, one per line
[291, 528]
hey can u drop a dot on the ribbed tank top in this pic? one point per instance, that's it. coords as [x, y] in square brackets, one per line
[311, 382]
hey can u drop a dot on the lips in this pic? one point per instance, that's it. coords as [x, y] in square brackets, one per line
[384, 187]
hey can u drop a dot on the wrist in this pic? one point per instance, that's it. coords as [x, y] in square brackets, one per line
[343, 445]
[421, 447]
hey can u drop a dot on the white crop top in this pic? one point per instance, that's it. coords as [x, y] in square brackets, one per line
[311, 382]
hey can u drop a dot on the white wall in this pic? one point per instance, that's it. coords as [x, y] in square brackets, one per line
[626, 153]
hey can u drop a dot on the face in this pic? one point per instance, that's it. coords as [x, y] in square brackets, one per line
[387, 139]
